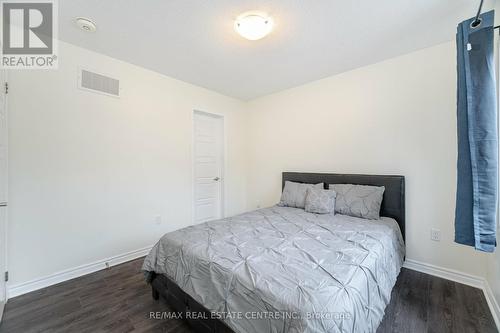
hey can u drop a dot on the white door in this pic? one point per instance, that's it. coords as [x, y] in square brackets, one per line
[208, 166]
[3, 189]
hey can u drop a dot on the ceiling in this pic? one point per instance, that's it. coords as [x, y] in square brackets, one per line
[194, 40]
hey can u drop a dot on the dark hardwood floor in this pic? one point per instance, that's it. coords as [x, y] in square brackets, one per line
[118, 300]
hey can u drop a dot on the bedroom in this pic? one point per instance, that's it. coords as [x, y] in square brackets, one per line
[95, 178]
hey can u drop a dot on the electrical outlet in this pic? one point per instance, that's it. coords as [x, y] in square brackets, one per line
[435, 235]
[158, 219]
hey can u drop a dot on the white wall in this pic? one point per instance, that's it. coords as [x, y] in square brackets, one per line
[394, 117]
[88, 173]
[493, 275]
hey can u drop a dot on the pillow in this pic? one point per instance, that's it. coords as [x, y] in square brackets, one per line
[358, 200]
[294, 194]
[319, 201]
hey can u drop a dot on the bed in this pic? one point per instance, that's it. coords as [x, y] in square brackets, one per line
[281, 269]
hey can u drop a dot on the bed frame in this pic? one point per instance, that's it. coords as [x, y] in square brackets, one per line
[393, 205]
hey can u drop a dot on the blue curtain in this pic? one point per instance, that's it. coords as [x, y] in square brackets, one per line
[477, 184]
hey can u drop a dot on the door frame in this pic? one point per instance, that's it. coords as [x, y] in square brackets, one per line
[222, 183]
[6, 244]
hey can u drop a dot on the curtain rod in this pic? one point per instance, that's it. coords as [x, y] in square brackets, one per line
[477, 20]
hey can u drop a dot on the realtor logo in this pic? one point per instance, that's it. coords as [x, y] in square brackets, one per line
[29, 34]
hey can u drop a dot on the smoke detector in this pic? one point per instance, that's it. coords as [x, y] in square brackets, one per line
[85, 24]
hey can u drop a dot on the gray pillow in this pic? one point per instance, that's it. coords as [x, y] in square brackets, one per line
[358, 200]
[294, 194]
[319, 201]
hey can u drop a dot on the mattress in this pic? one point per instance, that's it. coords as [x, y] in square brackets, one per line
[281, 269]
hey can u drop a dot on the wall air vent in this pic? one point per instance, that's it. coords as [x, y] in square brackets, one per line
[99, 83]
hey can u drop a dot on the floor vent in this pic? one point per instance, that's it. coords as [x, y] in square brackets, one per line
[99, 83]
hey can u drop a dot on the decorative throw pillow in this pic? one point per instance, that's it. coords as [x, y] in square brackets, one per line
[294, 194]
[358, 200]
[320, 201]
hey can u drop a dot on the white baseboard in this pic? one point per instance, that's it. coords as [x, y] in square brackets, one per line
[492, 303]
[445, 273]
[68, 274]
[2, 306]
[460, 277]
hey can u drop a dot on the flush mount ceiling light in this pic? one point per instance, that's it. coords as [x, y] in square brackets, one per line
[253, 26]
[85, 24]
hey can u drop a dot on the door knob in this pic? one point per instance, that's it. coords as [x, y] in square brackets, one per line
[216, 179]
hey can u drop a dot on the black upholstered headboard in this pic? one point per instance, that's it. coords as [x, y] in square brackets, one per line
[393, 204]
